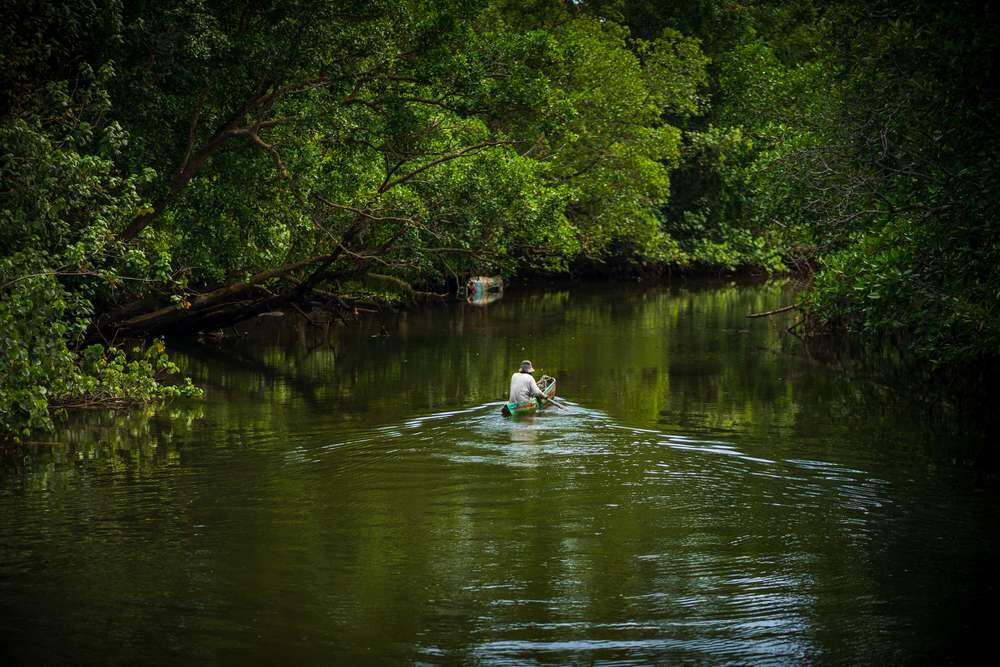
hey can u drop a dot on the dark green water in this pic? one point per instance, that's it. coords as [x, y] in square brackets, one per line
[714, 494]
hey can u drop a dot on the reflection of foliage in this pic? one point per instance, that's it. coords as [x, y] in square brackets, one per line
[634, 354]
[141, 442]
[684, 359]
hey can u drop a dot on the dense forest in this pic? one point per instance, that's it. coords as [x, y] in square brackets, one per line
[171, 167]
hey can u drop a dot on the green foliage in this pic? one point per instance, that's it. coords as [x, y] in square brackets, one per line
[854, 139]
[62, 200]
[889, 181]
[109, 377]
[34, 355]
[154, 153]
[40, 320]
[708, 215]
[161, 154]
[613, 150]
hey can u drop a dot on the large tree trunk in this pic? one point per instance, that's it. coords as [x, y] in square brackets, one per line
[225, 304]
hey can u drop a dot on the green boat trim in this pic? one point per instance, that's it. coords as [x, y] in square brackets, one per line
[548, 386]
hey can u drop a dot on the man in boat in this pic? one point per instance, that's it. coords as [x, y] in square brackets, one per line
[523, 387]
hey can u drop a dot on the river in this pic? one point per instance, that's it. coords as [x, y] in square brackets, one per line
[715, 492]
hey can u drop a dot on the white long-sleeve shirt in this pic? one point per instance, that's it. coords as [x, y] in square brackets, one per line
[523, 387]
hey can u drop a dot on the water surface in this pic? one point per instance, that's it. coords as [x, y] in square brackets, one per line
[714, 493]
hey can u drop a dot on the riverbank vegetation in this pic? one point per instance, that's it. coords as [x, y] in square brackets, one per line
[176, 167]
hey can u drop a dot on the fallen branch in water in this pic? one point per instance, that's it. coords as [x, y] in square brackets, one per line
[783, 309]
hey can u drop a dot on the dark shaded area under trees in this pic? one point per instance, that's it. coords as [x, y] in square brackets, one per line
[170, 167]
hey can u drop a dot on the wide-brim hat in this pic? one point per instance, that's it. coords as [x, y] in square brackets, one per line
[526, 367]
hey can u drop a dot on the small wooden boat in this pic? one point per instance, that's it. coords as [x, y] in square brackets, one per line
[483, 290]
[548, 386]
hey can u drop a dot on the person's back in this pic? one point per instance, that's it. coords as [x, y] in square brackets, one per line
[522, 386]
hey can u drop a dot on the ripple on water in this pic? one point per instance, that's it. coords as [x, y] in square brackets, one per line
[306, 508]
[719, 517]
[580, 439]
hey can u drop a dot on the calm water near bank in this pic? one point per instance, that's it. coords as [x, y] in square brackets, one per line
[714, 493]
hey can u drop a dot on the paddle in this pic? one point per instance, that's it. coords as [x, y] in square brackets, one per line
[557, 404]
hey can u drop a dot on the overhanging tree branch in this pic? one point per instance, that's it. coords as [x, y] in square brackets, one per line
[468, 150]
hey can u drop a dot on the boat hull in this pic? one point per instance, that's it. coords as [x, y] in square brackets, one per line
[548, 386]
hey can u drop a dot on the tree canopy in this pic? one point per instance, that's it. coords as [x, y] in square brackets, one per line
[172, 166]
